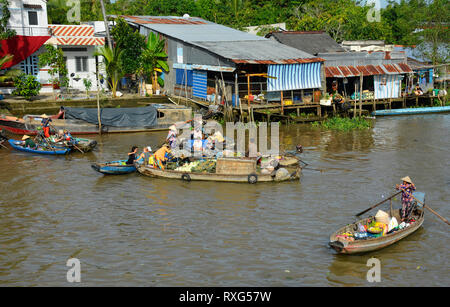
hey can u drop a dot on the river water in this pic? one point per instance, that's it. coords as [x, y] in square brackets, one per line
[132, 230]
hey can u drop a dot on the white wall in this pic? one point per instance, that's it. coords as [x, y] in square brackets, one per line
[19, 18]
[71, 67]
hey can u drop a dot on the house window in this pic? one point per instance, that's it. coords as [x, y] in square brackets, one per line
[32, 18]
[30, 65]
[81, 63]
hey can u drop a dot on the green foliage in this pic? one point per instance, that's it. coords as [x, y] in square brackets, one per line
[5, 14]
[113, 65]
[154, 58]
[342, 19]
[343, 123]
[5, 59]
[87, 85]
[131, 42]
[26, 86]
[54, 58]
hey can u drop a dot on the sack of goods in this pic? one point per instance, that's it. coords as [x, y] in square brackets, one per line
[382, 217]
[392, 224]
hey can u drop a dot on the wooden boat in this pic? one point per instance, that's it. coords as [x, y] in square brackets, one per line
[54, 151]
[411, 111]
[251, 178]
[167, 114]
[84, 145]
[114, 167]
[345, 246]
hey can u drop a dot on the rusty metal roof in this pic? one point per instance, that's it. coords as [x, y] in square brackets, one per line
[166, 20]
[237, 46]
[366, 70]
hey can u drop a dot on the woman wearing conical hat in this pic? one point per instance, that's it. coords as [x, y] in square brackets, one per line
[407, 188]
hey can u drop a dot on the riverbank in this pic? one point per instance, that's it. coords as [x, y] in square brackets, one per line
[17, 106]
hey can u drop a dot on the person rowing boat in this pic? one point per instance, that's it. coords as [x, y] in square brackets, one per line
[407, 188]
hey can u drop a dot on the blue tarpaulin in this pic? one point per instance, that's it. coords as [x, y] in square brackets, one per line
[181, 76]
[199, 83]
[293, 76]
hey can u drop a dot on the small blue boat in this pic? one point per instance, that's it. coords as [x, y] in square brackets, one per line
[18, 145]
[410, 111]
[114, 167]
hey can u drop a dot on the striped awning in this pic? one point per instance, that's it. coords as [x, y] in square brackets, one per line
[293, 76]
[366, 70]
[75, 35]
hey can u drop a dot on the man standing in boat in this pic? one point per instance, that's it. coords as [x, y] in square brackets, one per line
[45, 123]
[407, 188]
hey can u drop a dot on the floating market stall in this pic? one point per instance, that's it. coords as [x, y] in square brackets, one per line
[224, 170]
[374, 233]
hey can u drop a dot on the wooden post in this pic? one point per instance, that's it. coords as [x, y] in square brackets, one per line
[361, 78]
[249, 93]
[354, 103]
[282, 103]
[236, 93]
[98, 101]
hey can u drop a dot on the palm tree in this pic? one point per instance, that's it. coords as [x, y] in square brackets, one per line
[11, 73]
[154, 59]
[112, 64]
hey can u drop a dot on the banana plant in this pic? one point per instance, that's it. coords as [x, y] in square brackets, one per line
[112, 64]
[10, 74]
[154, 59]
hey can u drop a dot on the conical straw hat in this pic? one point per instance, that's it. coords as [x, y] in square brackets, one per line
[407, 179]
[25, 137]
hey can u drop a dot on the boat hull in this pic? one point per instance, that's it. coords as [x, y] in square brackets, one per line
[58, 151]
[114, 168]
[411, 111]
[370, 245]
[167, 115]
[188, 176]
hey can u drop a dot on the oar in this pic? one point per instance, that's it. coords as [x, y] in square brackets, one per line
[428, 207]
[48, 143]
[1, 144]
[76, 147]
[376, 205]
[307, 168]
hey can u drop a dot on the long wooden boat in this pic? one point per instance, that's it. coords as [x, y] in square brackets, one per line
[114, 167]
[205, 176]
[344, 246]
[411, 111]
[54, 151]
[167, 114]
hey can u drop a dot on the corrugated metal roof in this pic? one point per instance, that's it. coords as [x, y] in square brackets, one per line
[366, 70]
[229, 43]
[253, 52]
[312, 42]
[166, 20]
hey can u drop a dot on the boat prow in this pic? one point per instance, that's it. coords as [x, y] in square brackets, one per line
[114, 167]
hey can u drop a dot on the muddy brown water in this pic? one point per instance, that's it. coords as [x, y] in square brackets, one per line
[132, 230]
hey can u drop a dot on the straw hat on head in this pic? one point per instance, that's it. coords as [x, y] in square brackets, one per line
[25, 137]
[44, 116]
[407, 179]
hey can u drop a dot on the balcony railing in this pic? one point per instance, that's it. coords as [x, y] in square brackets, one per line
[32, 31]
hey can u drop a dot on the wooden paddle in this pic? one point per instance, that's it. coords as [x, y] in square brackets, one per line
[307, 168]
[376, 205]
[1, 144]
[428, 207]
[76, 147]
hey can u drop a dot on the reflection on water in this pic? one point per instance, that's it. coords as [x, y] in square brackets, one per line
[134, 230]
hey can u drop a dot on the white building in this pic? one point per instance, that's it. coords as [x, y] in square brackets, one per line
[29, 20]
